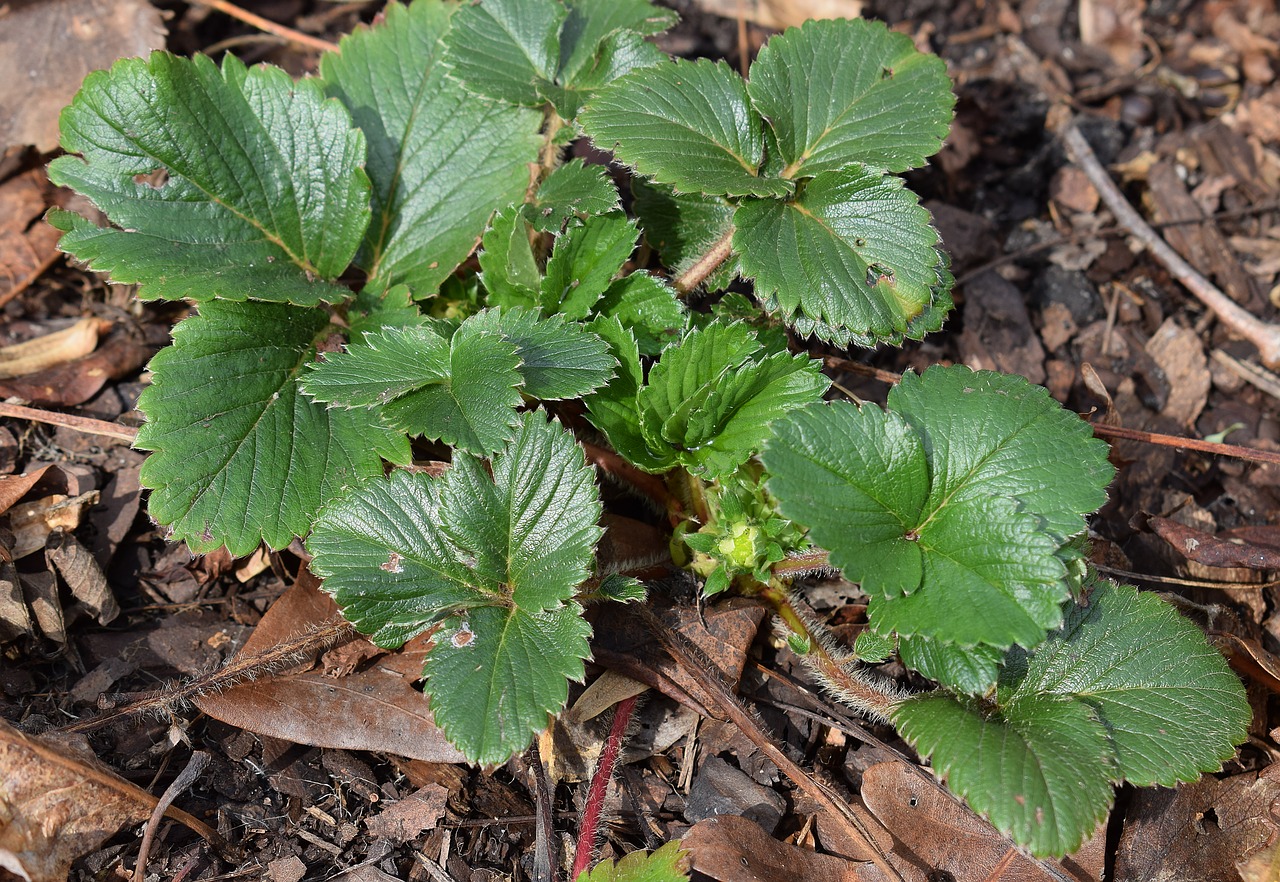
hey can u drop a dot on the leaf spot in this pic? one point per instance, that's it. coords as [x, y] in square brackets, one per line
[393, 564]
[155, 179]
[463, 637]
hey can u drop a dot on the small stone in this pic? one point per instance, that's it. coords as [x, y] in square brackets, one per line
[287, 869]
[1073, 290]
[722, 789]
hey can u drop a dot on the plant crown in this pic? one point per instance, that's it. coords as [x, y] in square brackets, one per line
[287, 404]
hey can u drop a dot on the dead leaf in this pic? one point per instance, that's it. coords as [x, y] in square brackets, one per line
[782, 14]
[997, 329]
[120, 354]
[32, 522]
[1254, 547]
[82, 574]
[15, 620]
[1180, 354]
[405, 820]
[946, 836]
[28, 245]
[50, 350]
[377, 708]
[733, 849]
[41, 593]
[57, 803]
[47, 48]
[1249, 658]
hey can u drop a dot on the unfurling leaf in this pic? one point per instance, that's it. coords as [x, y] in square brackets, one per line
[239, 455]
[429, 143]
[494, 555]
[572, 190]
[235, 183]
[1126, 690]
[926, 505]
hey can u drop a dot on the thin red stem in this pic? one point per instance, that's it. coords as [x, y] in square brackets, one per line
[590, 829]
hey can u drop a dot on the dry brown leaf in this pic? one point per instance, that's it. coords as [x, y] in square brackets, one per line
[64, 385]
[733, 849]
[27, 244]
[1180, 354]
[47, 48]
[782, 14]
[404, 820]
[32, 522]
[58, 803]
[83, 576]
[50, 350]
[376, 708]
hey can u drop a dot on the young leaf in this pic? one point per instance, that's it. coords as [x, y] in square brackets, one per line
[572, 190]
[648, 306]
[462, 390]
[1126, 690]
[231, 182]
[496, 557]
[503, 49]
[852, 249]
[683, 227]
[883, 103]
[429, 142]
[558, 359]
[584, 261]
[591, 22]
[239, 457]
[619, 54]
[942, 532]
[508, 269]
[667, 864]
[687, 124]
[612, 409]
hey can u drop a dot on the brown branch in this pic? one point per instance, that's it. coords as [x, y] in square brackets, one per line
[1217, 448]
[69, 421]
[707, 264]
[1265, 336]
[289, 35]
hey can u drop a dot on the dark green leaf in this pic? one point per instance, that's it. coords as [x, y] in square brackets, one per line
[584, 261]
[572, 190]
[684, 227]
[503, 49]
[971, 670]
[648, 306]
[558, 359]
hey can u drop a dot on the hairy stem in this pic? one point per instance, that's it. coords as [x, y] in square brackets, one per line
[589, 831]
[708, 263]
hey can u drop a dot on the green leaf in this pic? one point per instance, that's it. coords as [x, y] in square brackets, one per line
[667, 864]
[648, 306]
[495, 555]
[619, 54]
[687, 124]
[238, 456]
[613, 409]
[503, 49]
[584, 261]
[992, 434]
[1040, 772]
[572, 190]
[463, 390]
[591, 22]
[944, 534]
[558, 359]
[439, 159]
[684, 227]
[620, 589]
[852, 249]
[1126, 690]
[230, 182]
[844, 91]
[708, 403]
[508, 269]
[1171, 706]
[971, 670]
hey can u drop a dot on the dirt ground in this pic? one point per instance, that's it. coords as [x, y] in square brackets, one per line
[1180, 101]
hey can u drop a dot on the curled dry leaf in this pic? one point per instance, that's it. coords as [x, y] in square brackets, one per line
[49, 350]
[1256, 547]
[733, 849]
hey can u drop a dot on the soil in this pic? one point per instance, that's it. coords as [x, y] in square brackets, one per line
[1178, 98]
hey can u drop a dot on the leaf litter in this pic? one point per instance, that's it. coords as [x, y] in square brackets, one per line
[1125, 301]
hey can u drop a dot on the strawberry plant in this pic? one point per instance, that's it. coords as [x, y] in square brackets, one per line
[324, 229]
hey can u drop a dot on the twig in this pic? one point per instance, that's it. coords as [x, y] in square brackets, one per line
[1265, 336]
[545, 854]
[69, 421]
[263, 24]
[589, 830]
[707, 264]
[199, 760]
[1249, 454]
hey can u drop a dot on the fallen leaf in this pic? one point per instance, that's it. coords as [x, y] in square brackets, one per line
[733, 849]
[376, 708]
[120, 354]
[77, 567]
[50, 350]
[27, 244]
[781, 14]
[1180, 354]
[1254, 547]
[403, 821]
[47, 48]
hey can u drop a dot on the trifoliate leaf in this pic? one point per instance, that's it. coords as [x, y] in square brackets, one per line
[684, 227]
[687, 124]
[1013, 443]
[590, 22]
[708, 402]
[613, 409]
[462, 390]
[508, 269]
[498, 674]
[648, 306]
[852, 249]
[239, 456]
[495, 556]
[667, 864]
[937, 531]
[572, 190]
[971, 670]
[1040, 772]
[231, 182]
[844, 91]
[429, 144]
[584, 261]
[1126, 690]
[1171, 706]
[503, 49]
[558, 359]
